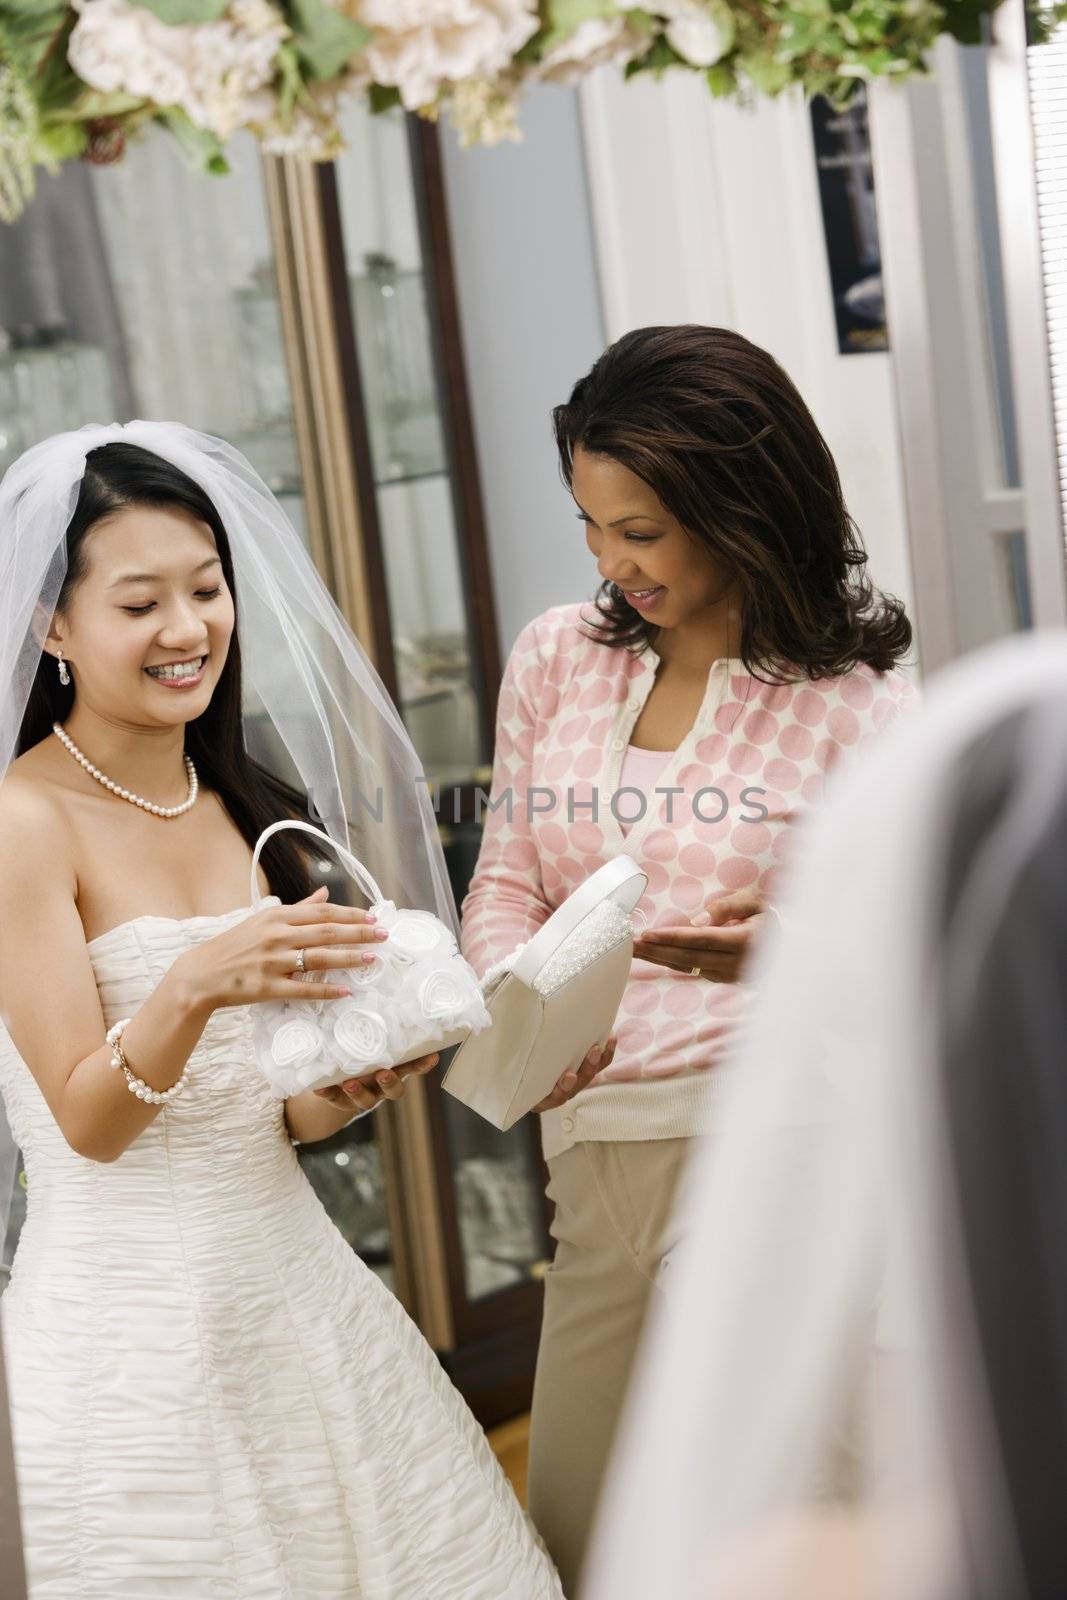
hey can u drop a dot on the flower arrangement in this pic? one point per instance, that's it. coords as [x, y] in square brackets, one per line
[78, 78]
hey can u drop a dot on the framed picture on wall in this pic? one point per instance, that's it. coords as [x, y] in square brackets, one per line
[850, 223]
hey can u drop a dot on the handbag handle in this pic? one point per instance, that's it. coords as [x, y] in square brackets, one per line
[356, 868]
[620, 879]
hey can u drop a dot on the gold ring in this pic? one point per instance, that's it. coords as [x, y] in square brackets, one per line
[300, 960]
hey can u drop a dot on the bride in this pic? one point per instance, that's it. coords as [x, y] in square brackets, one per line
[210, 1393]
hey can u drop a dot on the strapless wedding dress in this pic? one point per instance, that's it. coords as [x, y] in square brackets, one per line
[212, 1397]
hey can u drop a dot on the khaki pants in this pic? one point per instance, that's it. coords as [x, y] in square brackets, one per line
[613, 1205]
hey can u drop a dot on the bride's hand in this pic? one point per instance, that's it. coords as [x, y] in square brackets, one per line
[387, 1083]
[258, 959]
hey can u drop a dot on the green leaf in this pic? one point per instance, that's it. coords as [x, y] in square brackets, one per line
[179, 12]
[382, 97]
[30, 30]
[661, 56]
[1043, 20]
[722, 79]
[799, 35]
[55, 82]
[289, 86]
[563, 17]
[93, 104]
[61, 141]
[325, 39]
[201, 149]
[766, 74]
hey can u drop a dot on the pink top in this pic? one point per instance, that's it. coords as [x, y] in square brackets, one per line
[641, 770]
[756, 757]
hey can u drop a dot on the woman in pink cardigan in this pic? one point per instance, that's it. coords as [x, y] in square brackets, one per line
[736, 651]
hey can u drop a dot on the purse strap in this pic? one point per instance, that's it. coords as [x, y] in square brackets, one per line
[621, 880]
[356, 868]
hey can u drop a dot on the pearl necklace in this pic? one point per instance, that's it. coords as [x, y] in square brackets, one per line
[124, 794]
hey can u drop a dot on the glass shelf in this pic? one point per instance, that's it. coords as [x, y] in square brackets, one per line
[399, 388]
[421, 544]
[411, 477]
[498, 1203]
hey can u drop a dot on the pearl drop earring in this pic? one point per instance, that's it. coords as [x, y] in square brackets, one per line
[64, 670]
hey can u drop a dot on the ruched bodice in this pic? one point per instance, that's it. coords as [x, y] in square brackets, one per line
[212, 1396]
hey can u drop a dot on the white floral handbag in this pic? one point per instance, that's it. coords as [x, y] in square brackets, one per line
[552, 999]
[419, 995]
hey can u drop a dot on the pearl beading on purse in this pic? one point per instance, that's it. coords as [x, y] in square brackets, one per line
[137, 1086]
[605, 927]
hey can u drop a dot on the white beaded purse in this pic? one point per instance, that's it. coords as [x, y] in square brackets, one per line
[419, 995]
[552, 999]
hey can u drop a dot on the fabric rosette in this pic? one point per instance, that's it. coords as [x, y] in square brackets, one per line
[291, 1047]
[296, 1043]
[444, 997]
[412, 934]
[362, 1036]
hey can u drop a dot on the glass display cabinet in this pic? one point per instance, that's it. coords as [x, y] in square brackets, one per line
[308, 314]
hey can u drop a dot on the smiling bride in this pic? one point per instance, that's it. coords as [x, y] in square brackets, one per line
[211, 1394]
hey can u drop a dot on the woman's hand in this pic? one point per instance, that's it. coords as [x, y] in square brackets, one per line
[718, 942]
[258, 959]
[384, 1083]
[571, 1082]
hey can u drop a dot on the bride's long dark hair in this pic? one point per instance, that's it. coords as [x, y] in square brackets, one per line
[118, 476]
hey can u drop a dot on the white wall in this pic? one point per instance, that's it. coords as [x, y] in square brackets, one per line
[532, 324]
[706, 212]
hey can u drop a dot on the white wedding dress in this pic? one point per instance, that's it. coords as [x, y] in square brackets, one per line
[212, 1397]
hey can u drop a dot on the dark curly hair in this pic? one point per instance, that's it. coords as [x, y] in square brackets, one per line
[718, 430]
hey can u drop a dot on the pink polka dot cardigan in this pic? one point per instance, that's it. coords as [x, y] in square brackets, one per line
[717, 820]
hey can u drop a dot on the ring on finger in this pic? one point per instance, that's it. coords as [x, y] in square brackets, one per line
[694, 972]
[300, 960]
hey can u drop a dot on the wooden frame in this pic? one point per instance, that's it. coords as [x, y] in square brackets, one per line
[456, 413]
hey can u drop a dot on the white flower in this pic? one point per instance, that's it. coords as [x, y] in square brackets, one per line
[422, 46]
[444, 997]
[596, 42]
[304, 137]
[698, 39]
[413, 934]
[295, 1043]
[361, 1034]
[701, 31]
[483, 112]
[211, 70]
[310, 132]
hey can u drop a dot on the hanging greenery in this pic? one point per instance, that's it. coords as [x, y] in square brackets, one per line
[78, 79]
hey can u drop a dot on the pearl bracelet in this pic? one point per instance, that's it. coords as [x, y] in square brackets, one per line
[137, 1086]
